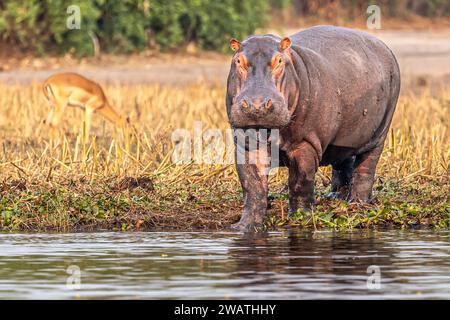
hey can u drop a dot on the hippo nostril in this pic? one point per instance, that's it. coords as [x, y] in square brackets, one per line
[269, 104]
[245, 104]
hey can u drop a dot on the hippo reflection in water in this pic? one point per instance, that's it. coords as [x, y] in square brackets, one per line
[331, 92]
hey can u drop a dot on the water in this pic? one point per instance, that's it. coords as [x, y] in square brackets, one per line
[218, 265]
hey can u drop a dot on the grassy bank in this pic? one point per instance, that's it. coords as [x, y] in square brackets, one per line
[63, 181]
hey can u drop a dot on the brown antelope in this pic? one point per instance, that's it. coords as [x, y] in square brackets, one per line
[73, 90]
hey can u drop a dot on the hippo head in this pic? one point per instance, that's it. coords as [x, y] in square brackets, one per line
[257, 81]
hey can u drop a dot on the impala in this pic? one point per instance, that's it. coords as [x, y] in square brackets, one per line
[73, 90]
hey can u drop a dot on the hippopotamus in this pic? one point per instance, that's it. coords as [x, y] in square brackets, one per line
[330, 93]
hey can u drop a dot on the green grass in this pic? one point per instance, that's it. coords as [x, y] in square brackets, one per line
[75, 205]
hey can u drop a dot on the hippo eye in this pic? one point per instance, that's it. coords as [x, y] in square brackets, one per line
[277, 63]
[241, 65]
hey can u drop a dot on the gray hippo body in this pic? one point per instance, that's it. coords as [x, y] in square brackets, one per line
[331, 92]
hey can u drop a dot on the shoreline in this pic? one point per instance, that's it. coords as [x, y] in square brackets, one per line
[100, 205]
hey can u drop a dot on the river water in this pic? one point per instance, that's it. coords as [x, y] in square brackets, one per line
[222, 265]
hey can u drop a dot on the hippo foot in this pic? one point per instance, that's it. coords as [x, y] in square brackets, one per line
[362, 200]
[335, 196]
[247, 224]
[340, 193]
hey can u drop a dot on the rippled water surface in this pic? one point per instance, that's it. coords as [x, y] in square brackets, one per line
[196, 265]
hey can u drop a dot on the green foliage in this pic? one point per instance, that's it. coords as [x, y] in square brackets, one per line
[133, 25]
[122, 25]
[71, 39]
[18, 22]
[126, 26]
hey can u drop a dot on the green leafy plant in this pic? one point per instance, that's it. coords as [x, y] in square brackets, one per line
[126, 26]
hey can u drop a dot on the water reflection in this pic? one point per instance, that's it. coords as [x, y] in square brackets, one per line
[292, 265]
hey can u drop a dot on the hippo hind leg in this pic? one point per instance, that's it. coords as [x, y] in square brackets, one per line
[341, 179]
[364, 175]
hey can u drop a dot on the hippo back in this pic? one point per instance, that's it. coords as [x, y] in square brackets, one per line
[356, 69]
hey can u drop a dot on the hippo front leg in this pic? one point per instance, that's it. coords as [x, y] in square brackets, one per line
[303, 164]
[253, 178]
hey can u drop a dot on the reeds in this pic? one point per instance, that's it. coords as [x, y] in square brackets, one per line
[417, 148]
[418, 141]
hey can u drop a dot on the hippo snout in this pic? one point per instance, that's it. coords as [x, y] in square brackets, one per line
[258, 112]
[257, 106]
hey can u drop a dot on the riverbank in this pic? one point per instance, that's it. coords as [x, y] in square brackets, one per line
[67, 182]
[68, 206]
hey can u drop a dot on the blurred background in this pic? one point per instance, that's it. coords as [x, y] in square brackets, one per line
[185, 41]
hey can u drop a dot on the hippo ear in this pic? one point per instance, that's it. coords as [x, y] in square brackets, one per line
[285, 43]
[234, 44]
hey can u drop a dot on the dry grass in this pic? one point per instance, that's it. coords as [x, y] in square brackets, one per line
[73, 182]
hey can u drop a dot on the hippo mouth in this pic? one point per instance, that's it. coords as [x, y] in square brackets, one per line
[247, 119]
[245, 123]
[243, 136]
[257, 129]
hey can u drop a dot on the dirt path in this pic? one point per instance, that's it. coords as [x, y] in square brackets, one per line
[420, 53]
[423, 56]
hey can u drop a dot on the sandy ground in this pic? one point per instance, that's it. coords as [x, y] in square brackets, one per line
[424, 58]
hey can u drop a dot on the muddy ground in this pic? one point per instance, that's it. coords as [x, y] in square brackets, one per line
[424, 58]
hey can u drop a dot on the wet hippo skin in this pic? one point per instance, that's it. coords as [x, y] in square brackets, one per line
[331, 92]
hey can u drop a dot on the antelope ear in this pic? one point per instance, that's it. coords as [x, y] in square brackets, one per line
[285, 43]
[234, 44]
